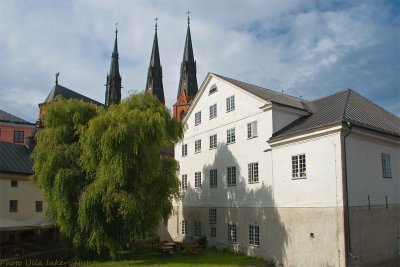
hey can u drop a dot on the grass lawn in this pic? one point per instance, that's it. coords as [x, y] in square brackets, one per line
[209, 257]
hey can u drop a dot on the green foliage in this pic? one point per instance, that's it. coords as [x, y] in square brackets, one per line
[102, 172]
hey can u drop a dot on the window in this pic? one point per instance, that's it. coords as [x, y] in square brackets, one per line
[213, 111]
[253, 172]
[197, 118]
[212, 215]
[231, 175]
[213, 89]
[213, 231]
[386, 166]
[14, 183]
[184, 184]
[213, 178]
[197, 179]
[254, 235]
[197, 146]
[13, 205]
[232, 233]
[197, 228]
[252, 129]
[18, 136]
[39, 206]
[230, 136]
[299, 166]
[230, 103]
[213, 141]
[184, 150]
[184, 227]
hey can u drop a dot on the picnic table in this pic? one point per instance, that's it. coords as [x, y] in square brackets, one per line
[167, 248]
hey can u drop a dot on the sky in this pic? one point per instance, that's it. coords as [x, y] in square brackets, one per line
[305, 48]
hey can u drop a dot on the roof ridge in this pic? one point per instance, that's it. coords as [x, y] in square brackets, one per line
[263, 88]
[346, 105]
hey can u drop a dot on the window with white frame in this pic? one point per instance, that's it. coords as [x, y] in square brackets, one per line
[184, 183]
[184, 227]
[252, 129]
[213, 111]
[213, 231]
[254, 235]
[253, 172]
[197, 146]
[213, 178]
[197, 228]
[213, 141]
[184, 150]
[212, 215]
[230, 103]
[299, 166]
[197, 179]
[386, 166]
[197, 118]
[230, 136]
[232, 233]
[231, 175]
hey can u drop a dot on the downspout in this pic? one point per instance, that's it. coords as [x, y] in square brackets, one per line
[346, 207]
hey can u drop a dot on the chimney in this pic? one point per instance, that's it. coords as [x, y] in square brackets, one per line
[30, 143]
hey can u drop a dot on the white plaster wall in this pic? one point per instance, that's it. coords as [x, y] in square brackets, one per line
[282, 118]
[239, 154]
[323, 185]
[26, 193]
[364, 170]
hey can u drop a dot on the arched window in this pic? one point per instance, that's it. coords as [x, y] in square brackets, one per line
[213, 89]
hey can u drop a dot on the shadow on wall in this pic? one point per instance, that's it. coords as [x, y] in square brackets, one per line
[243, 204]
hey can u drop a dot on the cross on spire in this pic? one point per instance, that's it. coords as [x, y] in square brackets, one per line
[188, 19]
[57, 74]
[156, 20]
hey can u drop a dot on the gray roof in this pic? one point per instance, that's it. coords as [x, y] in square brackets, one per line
[66, 93]
[7, 117]
[15, 158]
[270, 95]
[344, 107]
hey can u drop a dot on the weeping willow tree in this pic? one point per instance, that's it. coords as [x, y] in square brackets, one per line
[101, 170]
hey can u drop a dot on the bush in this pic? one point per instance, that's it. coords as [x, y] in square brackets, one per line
[202, 241]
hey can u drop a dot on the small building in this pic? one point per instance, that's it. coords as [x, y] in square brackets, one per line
[22, 205]
[14, 129]
[304, 183]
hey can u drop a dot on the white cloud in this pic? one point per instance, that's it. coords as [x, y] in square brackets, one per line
[303, 47]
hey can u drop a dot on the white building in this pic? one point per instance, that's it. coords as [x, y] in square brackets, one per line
[305, 183]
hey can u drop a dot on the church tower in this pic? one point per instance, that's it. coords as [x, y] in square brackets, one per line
[154, 83]
[113, 86]
[188, 81]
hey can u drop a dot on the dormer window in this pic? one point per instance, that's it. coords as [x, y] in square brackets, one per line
[213, 89]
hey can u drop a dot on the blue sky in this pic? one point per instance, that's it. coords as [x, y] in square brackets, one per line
[306, 48]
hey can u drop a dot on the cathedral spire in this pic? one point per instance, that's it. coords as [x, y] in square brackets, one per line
[188, 80]
[154, 83]
[113, 86]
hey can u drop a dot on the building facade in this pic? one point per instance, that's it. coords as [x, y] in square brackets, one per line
[304, 183]
[14, 130]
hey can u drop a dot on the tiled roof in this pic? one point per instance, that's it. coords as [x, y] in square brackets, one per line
[270, 95]
[15, 158]
[66, 93]
[7, 117]
[345, 106]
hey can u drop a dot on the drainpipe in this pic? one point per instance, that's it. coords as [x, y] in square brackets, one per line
[346, 207]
